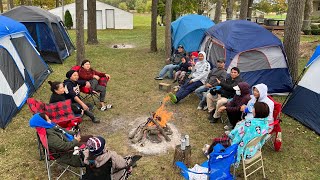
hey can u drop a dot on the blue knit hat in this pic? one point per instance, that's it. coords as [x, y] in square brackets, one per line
[96, 145]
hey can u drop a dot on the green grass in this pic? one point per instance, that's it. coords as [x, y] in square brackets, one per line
[134, 94]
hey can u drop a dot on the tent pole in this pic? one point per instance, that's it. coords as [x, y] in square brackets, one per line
[62, 9]
[294, 85]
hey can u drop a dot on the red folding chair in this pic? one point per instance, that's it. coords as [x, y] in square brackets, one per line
[59, 112]
[89, 93]
[275, 134]
[49, 159]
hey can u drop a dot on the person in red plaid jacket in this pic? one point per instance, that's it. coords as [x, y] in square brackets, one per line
[72, 91]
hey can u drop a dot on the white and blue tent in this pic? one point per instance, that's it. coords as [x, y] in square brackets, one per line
[22, 70]
[304, 102]
[253, 49]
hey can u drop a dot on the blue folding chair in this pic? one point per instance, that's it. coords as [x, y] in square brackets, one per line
[218, 165]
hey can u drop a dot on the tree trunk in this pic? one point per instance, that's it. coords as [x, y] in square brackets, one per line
[22, 2]
[229, 9]
[249, 12]
[292, 35]
[57, 3]
[92, 24]
[80, 31]
[1, 7]
[168, 28]
[243, 9]
[154, 16]
[217, 14]
[11, 4]
[307, 14]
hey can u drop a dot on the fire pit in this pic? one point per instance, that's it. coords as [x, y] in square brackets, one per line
[154, 134]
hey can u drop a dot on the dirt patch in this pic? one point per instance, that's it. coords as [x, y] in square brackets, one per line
[122, 46]
[150, 148]
[307, 49]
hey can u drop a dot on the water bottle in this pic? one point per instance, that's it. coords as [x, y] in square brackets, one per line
[187, 140]
[183, 144]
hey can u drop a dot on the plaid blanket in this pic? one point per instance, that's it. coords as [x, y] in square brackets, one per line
[59, 112]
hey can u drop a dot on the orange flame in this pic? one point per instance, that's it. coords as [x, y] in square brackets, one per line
[162, 113]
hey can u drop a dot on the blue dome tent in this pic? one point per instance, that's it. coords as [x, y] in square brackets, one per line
[303, 104]
[253, 49]
[22, 70]
[189, 31]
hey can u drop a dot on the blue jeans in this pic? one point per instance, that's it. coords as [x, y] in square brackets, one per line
[166, 68]
[200, 90]
[187, 88]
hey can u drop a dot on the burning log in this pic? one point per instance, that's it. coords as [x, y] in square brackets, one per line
[160, 129]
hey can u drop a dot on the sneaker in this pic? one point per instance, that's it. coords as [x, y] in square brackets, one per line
[173, 98]
[226, 127]
[174, 81]
[95, 120]
[227, 133]
[158, 78]
[205, 108]
[199, 108]
[103, 108]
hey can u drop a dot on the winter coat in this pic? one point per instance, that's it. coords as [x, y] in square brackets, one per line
[57, 97]
[234, 105]
[118, 163]
[184, 67]
[201, 70]
[216, 73]
[247, 130]
[72, 89]
[227, 90]
[88, 74]
[263, 91]
[176, 57]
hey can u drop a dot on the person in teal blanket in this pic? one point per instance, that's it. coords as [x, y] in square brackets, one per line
[249, 129]
[245, 131]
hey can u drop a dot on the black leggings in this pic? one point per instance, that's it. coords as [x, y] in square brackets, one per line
[234, 117]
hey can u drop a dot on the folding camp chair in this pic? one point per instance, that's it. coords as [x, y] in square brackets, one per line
[253, 160]
[89, 92]
[219, 164]
[49, 159]
[59, 112]
[272, 137]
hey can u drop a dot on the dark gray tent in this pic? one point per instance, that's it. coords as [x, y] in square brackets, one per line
[47, 30]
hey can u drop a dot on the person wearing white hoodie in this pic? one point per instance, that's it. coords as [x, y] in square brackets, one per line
[260, 92]
[198, 78]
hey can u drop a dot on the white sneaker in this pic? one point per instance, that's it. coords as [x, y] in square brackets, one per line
[226, 127]
[205, 108]
[103, 108]
[199, 108]
[227, 133]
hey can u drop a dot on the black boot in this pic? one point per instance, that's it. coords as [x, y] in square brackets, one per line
[91, 116]
[210, 118]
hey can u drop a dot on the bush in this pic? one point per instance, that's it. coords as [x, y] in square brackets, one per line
[68, 20]
[307, 32]
[314, 26]
[315, 31]
[123, 6]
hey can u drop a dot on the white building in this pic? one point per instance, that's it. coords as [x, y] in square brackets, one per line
[108, 17]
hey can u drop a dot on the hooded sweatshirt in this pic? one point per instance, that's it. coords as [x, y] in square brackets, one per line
[201, 70]
[72, 89]
[238, 101]
[263, 90]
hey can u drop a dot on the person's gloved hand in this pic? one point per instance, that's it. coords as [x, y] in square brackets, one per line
[218, 88]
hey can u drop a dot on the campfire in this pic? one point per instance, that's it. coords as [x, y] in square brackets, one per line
[155, 128]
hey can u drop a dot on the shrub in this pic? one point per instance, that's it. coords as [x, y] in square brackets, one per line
[315, 31]
[307, 32]
[68, 20]
[314, 26]
[123, 6]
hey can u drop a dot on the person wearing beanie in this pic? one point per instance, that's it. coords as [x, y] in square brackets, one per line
[102, 163]
[72, 91]
[172, 63]
[198, 78]
[61, 142]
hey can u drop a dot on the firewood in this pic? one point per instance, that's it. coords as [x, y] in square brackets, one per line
[161, 129]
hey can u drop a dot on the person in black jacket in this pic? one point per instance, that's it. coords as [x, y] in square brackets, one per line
[226, 92]
[182, 70]
[72, 91]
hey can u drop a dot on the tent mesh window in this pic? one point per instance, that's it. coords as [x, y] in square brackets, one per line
[31, 60]
[10, 71]
[66, 36]
[216, 51]
[58, 36]
[252, 61]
